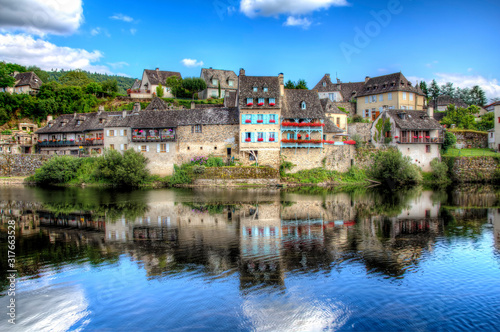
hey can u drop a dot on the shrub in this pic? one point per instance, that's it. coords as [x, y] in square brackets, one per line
[60, 169]
[391, 167]
[439, 171]
[215, 162]
[357, 139]
[198, 169]
[180, 176]
[128, 169]
[285, 166]
[449, 141]
[7, 132]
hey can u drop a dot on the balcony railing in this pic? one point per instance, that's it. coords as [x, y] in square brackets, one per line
[418, 140]
[139, 91]
[162, 138]
[301, 145]
[62, 143]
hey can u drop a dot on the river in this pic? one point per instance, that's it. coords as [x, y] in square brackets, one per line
[252, 259]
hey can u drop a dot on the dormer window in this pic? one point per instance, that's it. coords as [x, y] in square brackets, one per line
[266, 89]
[324, 83]
[303, 105]
[255, 89]
[230, 83]
[249, 101]
[261, 101]
[215, 81]
[78, 122]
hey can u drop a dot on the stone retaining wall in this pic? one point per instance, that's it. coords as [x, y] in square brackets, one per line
[472, 169]
[362, 129]
[21, 164]
[471, 139]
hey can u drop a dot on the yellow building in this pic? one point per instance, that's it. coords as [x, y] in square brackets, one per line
[334, 113]
[392, 91]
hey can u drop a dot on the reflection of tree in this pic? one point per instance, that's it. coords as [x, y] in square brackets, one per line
[459, 222]
[385, 202]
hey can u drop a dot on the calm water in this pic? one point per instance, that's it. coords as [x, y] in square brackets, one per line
[253, 260]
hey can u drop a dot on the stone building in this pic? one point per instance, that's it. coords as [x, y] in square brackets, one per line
[18, 141]
[332, 111]
[225, 80]
[27, 82]
[414, 133]
[151, 79]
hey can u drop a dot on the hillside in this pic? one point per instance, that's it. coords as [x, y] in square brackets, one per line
[124, 83]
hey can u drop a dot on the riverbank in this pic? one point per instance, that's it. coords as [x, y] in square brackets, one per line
[11, 181]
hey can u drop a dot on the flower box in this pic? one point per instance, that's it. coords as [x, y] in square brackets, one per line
[261, 104]
[260, 139]
[272, 104]
[271, 140]
[260, 121]
[396, 136]
[248, 121]
[420, 137]
[248, 140]
[272, 121]
[427, 137]
[249, 104]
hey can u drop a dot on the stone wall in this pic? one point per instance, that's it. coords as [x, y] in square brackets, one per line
[472, 169]
[21, 164]
[349, 107]
[269, 158]
[229, 173]
[470, 139]
[362, 129]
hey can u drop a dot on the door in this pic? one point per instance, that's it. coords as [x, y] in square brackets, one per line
[229, 152]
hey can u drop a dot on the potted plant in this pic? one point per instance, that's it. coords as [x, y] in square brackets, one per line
[248, 140]
[261, 104]
[249, 104]
[260, 121]
[271, 139]
[248, 121]
[272, 104]
[260, 139]
[272, 121]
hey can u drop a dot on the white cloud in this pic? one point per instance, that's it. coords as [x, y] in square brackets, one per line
[97, 31]
[192, 63]
[119, 64]
[40, 17]
[253, 8]
[133, 31]
[121, 17]
[490, 85]
[430, 65]
[292, 21]
[26, 50]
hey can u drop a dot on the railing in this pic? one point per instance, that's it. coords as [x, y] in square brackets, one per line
[418, 140]
[162, 138]
[141, 91]
[301, 145]
[70, 143]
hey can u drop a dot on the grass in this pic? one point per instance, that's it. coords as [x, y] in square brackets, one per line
[470, 153]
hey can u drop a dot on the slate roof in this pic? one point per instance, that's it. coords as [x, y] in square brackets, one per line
[160, 76]
[438, 116]
[137, 84]
[29, 78]
[293, 99]
[329, 85]
[446, 100]
[222, 75]
[67, 123]
[246, 85]
[388, 83]
[351, 90]
[157, 104]
[230, 99]
[330, 107]
[330, 127]
[414, 120]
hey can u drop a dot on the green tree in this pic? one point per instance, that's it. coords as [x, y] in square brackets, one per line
[449, 141]
[110, 86]
[487, 122]
[42, 74]
[218, 88]
[423, 87]
[75, 78]
[391, 167]
[301, 84]
[159, 91]
[448, 90]
[194, 85]
[175, 84]
[461, 117]
[6, 80]
[434, 90]
[93, 88]
[289, 85]
[478, 96]
[127, 170]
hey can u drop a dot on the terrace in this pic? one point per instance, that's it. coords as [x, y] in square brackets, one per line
[154, 135]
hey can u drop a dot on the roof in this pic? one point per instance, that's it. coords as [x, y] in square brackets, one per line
[351, 90]
[438, 116]
[445, 100]
[491, 130]
[28, 78]
[493, 104]
[330, 127]
[247, 83]
[222, 75]
[330, 107]
[414, 120]
[292, 102]
[136, 85]
[388, 83]
[156, 77]
[325, 85]
[68, 123]
[157, 104]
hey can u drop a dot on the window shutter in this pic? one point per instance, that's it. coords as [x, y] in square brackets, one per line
[266, 137]
[158, 148]
[107, 133]
[242, 137]
[192, 129]
[366, 100]
[168, 148]
[252, 135]
[266, 118]
[147, 148]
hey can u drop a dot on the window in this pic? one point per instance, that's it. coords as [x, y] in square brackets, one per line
[389, 96]
[260, 118]
[163, 148]
[144, 148]
[215, 81]
[410, 107]
[367, 113]
[411, 96]
[381, 98]
[266, 89]
[111, 146]
[373, 98]
[78, 122]
[498, 119]
[125, 147]
[491, 135]
[260, 137]
[331, 96]
[196, 129]
[249, 101]
[303, 105]
[248, 137]
[271, 137]
[272, 101]
[428, 149]
[338, 122]
[255, 89]
[272, 118]
[261, 101]
[111, 133]
[214, 93]
[404, 95]
[324, 83]
[230, 83]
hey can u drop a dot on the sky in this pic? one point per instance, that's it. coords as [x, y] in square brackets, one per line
[450, 41]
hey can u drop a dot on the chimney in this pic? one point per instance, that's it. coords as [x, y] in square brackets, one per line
[430, 111]
[338, 81]
[157, 69]
[366, 79]
[193, 105]
[101, 109]
[281, 79]
[49, 118]
[137, 107]
[242, 72]
[124, 114]
[74, 115]
[327, 76]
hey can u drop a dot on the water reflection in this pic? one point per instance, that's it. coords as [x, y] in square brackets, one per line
[264, 239]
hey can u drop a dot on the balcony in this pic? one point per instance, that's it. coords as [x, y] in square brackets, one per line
[161, 138]
[66, 143]
[301, 145]
[419, 140]
[303, 126]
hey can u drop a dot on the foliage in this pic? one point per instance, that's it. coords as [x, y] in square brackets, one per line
[315, 175]
[487, 122]
[423, 87]
[449, 141]
[439, 171]
[5, 78]
[93, 88]
[218, 88]
[434, 90]
[209, 161]
[110, 86]
[175, 85]
[357, 138]
[301, 84]
[60, 169]
[180, 176]
[391, 167]
[383, 127]
[357, 119]
[75, 78]
[7, 132]
[470, 153]
[198, 169]
[289, 85]
[285, 166]
[159, 91]
[461, 117]
[42, 74]
[127, 170]
[194, 85]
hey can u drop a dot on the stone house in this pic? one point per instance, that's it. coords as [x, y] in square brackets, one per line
[441, 103]
[150, 80]
[27, 82]
[259, 103]
[414, 133]
[215, 78]
[391, 91]
[334, 113]
[19, 141]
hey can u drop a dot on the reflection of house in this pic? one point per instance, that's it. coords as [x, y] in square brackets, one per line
[494, 219]
[27, 82]
[151, 79]
[414, 133]
[225, 80]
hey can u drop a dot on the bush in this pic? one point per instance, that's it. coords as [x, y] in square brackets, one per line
[357, 139]
[391, 167]
[198, 169]
[449, 141]
[285, 166]
[439, 171]
[180, 176]
[60, 169]
[128, 169]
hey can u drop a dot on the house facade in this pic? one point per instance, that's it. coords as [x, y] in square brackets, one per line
[27, 82]
[414, 133]
[392, 91]
[496, 135]
[19, 141]
[334, 113]
[150, 81]
[225, 80]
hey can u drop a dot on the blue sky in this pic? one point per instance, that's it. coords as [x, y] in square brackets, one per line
[455, 41]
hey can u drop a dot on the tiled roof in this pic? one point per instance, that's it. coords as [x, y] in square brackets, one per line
[388, 83]
[292, 101]
[493, 104]
[413, 120]
[351, 90]
[29, 78]
[137, 84]
[327, 86]
[222, 75]
[438, 116]
[330, 127]
[160, 76]
[330, 107]
[446, 100]
[157, 104]
[246, 85]
[68, 123]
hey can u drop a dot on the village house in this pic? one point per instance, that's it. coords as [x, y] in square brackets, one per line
[27, 82]
[151, 79]
[339, 93]
[415, 133]
[391, 91]
[218, 82]
[18, 141]
[334, 113]
[496, 134]
[491, 107]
